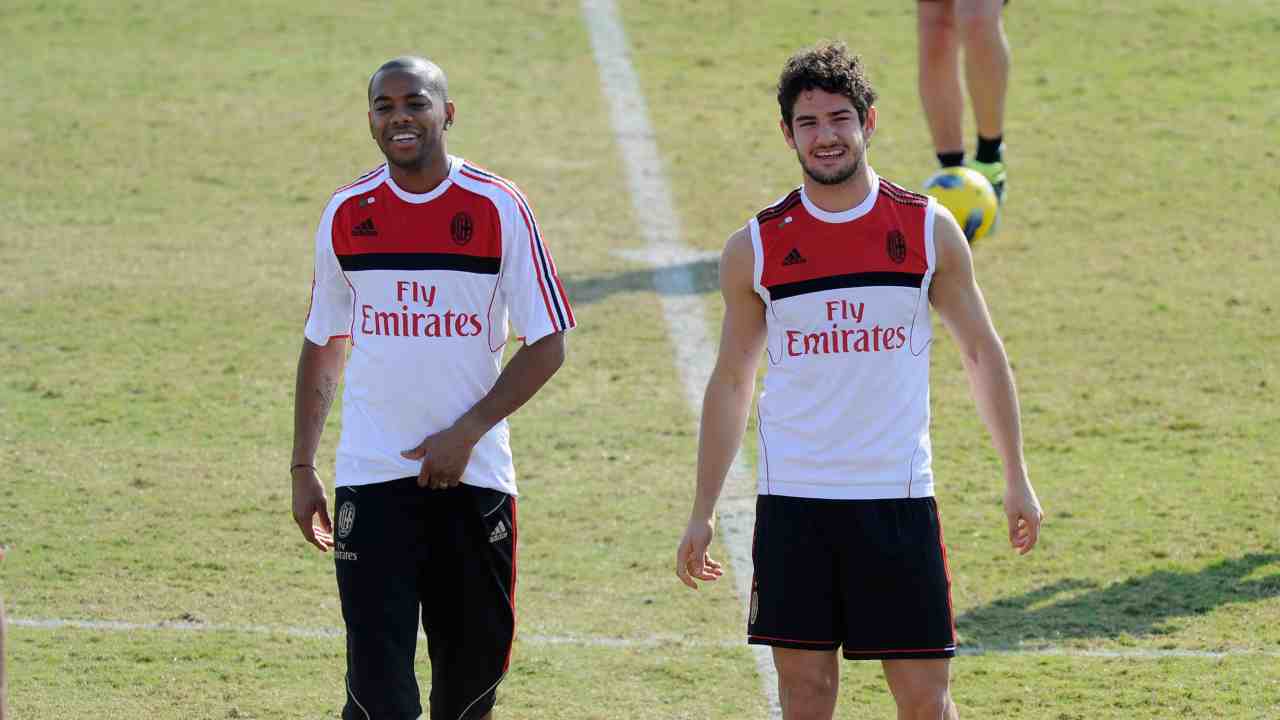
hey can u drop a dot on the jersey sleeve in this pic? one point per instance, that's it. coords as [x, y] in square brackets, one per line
[331, 296]
[530, 285]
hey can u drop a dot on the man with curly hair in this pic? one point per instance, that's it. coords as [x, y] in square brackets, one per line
[834, 284]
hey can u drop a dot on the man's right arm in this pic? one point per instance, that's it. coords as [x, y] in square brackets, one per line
[319, 372]
[726, 403]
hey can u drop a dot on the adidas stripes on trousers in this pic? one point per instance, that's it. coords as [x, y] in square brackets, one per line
[448, 557]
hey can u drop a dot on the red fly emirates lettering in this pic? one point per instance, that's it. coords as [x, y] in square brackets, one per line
[406, 322]
[845, 339]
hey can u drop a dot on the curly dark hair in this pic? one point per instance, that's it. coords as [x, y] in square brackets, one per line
[826, 66]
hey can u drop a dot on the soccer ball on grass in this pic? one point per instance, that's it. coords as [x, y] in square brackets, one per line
[969, 196]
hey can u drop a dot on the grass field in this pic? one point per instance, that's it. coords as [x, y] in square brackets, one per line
[165, 168]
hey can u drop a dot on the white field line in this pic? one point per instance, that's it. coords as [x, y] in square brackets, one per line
[334, 633]
[604, 641]
[649, 641]
[1124, 654]
[175, 626]
[682, 306]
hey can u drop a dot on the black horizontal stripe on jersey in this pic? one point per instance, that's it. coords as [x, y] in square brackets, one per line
[547, 275]
[419, 261]
[836, 282]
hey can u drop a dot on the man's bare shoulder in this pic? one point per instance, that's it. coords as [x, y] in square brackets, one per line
[949, 242]
[737, 261]
[739, 242]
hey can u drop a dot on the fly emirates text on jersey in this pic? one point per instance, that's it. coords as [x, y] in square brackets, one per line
[403, 321]
[845, 339]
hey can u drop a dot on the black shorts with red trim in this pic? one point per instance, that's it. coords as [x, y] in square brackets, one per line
[446, 556]
[868, 576]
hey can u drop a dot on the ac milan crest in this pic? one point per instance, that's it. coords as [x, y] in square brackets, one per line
[346, 518]
[461, 228]
[896, 245]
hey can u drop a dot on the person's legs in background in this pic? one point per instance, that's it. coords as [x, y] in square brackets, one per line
[943, 28]
[941, 93]
[986, 64]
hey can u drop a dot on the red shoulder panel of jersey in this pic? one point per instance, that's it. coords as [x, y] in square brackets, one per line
[371, 175]
[790, 201]
[552, 290]
[885, 247]
[901, 195]
[458, 230]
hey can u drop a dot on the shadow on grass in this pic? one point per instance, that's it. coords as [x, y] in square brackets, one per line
[689, 278]
[1073, 609]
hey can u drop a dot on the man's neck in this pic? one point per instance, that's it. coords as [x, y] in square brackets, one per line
[839, 198]
[424, 179]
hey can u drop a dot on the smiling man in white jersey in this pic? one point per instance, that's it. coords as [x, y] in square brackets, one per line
[419, 266]
[834, 284]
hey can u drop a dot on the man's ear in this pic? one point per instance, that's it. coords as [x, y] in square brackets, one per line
[786, 133]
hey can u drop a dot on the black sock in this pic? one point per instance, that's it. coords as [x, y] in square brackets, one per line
[989, 149]
[951, 159]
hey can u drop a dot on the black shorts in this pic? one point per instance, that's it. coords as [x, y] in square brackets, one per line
[398, 549]
[868, 575]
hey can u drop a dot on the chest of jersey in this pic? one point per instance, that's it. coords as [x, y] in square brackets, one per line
[425, 270]
[848, 288]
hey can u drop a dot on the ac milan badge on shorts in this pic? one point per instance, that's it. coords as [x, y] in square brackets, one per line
[346, 518]
[896, 245]
[461, 228]
[755, 606]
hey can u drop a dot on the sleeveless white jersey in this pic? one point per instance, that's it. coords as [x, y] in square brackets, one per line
[844, 413]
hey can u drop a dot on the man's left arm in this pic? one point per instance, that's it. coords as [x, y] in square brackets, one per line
[540, 312]
[954, 293]
[445, 454]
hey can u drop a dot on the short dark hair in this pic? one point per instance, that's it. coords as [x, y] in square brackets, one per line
[826, 66]
[434, 76]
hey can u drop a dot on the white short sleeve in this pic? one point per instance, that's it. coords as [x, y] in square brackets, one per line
[331, 297]
[532, 289]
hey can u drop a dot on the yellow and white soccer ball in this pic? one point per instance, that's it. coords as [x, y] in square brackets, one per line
[969, 196]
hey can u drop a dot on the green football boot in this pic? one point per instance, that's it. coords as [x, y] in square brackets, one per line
[995, 174]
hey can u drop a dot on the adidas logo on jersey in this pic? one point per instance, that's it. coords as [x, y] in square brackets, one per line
[499, 532]
[365, 228]
[793, 258]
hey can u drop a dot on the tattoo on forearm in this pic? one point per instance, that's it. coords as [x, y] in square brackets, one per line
[327, 390]
[328, 387]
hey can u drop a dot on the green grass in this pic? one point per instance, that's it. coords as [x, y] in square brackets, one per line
[218, 675]
[166, 166]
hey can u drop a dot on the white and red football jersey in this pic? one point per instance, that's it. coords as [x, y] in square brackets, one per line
[844, 413]
[424, 285]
